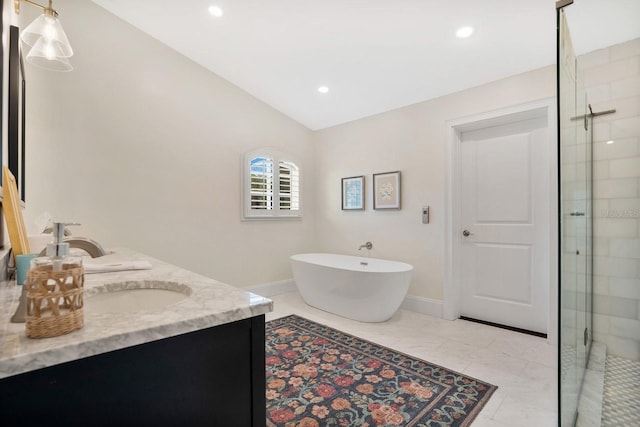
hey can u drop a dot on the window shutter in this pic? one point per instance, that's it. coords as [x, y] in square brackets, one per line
[261, 169]
[289, 186]
[271, 185]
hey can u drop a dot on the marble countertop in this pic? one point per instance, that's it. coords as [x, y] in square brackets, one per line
[210, 303]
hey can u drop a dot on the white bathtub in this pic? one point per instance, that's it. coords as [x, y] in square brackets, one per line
[364, 289]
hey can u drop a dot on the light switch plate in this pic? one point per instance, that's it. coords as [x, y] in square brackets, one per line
[425, 215]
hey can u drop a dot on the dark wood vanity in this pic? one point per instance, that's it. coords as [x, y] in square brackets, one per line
[209, 377]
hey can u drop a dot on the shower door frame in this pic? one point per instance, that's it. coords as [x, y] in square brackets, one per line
[575, 228]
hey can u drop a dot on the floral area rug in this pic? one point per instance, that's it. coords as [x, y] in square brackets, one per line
[318, 376]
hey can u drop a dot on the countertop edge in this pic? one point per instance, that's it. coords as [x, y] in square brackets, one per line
[31, 362]
[212, 304]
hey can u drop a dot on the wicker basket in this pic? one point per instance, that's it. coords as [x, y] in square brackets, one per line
[54, 300]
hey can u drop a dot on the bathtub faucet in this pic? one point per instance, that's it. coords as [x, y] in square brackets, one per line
[367, 245]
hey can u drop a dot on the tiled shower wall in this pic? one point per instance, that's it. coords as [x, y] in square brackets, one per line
[612, 80]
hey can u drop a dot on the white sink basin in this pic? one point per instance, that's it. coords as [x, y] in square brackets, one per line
[132, 300]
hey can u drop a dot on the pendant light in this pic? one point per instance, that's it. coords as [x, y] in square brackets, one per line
[50, 47]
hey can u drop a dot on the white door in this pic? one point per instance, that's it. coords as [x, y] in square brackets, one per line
[504, 224]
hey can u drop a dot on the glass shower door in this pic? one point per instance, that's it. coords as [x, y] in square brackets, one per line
[575, 227]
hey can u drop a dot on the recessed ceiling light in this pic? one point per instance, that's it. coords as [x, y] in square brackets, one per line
[611, 141]
[323, 89]
[216, 11]
[464, 32]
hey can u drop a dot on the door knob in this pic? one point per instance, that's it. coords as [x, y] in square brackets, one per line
[467, 233]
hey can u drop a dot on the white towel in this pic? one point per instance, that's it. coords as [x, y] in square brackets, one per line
[96, 267]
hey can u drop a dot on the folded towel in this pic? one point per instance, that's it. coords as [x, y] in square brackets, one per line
[95, 267]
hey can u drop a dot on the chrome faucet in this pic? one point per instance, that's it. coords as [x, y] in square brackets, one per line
[93, 248]
[367, 245]
[90, 246]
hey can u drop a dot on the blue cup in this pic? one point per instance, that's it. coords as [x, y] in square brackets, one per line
[23, 263]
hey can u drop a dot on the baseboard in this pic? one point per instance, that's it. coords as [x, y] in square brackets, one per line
[423, 305]
[273, 288]
[420, 305]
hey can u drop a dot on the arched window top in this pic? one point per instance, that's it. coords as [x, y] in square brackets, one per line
[271, 185]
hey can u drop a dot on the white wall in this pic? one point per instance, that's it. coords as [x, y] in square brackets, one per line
[143, 147]
[412, 140]
[612, 80]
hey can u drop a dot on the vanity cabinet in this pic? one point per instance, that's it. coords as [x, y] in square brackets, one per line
[210, 377]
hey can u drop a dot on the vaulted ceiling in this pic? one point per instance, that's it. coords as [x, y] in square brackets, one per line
[371, 55]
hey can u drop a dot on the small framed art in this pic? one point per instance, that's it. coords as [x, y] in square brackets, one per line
[353, 193]
[386, 190]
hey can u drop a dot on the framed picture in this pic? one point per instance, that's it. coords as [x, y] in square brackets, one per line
[353, 193]
[386, 190]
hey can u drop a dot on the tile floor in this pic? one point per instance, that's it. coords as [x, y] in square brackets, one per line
[621, 393]
[524, 367]
[591, 395]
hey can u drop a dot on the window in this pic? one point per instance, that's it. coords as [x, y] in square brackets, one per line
[272, 185]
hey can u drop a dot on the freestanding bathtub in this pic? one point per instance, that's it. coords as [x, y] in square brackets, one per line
[364, 289]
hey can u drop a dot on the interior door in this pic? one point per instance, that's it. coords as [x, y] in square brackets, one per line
[504, 223]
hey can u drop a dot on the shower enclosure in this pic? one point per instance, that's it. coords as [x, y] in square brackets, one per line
[575, 226]
[599, 190]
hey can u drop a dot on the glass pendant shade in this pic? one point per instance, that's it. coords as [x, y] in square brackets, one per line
[45, 54]
[48, 30]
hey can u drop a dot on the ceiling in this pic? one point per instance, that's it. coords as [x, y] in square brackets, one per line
[373, 55]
